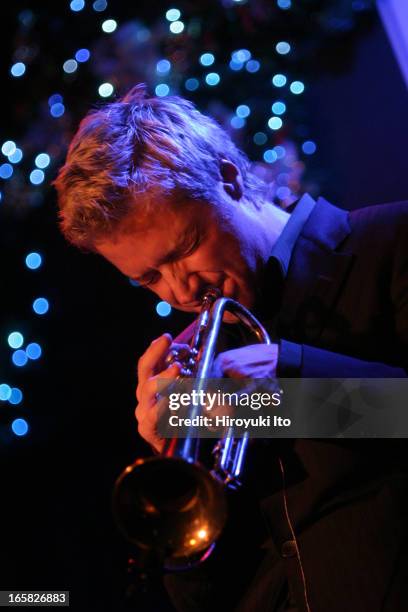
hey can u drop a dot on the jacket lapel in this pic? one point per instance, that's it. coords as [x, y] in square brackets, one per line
[316, 272]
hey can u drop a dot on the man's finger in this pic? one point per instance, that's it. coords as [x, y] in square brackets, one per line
[148, 362]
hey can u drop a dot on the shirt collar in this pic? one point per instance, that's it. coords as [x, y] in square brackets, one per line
[283, 247]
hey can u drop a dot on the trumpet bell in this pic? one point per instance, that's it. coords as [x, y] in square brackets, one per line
[172, 507]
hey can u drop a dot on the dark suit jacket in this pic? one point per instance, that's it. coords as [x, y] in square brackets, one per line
[336, 512]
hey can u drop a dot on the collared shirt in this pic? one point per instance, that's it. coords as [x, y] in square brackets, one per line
[283, 247]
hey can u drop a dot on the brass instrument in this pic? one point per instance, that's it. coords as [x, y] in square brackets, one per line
[170, 505]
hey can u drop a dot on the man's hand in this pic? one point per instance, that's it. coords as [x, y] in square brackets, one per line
[151, 367]
[252, 361]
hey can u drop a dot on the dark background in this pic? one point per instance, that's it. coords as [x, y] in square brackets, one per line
[57, 530]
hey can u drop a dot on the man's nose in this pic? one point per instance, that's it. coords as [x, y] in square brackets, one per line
[183, 286]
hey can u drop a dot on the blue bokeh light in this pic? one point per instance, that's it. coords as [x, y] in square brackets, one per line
[283, 192]
[207, 59]
[275, 123]
[270, 156]
[283, 47]
[33, 350]
[8, 148]
[55, 99]
[173, 14]
[18, 69]
[16, 157]
[162, 90]
[241, 55]
[163, 66]
[260, 138]
[41, 306]
[15, 340]
[297, 87]
[279, 80]
[6, 171]
[57, 110]
[191, 84]
[37, 177]
[176, 27]
[19, 358]
[235, 66]
[42, 160]
[309, 147]
[109, 26]
[70, 66]
[99, 5]
[16, 396]
[5, 392]
[212, 78]
[19, 427]
[82, 55]
[280, 151]
[284, 4]
[105, 90]
[243, 111]
[278, 108]
[77, 5]
[33, 260]
[237, 122]
[253, 66]
[163, 309]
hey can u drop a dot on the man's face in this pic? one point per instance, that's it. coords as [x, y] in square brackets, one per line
[180, 252]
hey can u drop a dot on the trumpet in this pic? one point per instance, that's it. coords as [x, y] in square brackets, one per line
[170, 506]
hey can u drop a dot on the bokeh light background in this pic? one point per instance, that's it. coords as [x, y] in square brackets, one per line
[309, 89]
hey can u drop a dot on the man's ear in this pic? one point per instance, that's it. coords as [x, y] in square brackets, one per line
[231, 179]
